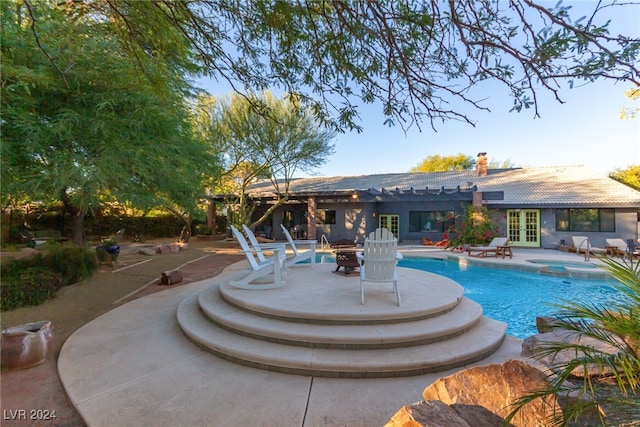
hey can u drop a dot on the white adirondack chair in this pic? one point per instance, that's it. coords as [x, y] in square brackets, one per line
[258, 247]
[297, 254]
[378, 260]
[260, 269]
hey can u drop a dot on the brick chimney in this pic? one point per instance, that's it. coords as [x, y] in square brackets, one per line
[481, 164]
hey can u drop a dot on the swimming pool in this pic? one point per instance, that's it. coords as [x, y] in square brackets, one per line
[517, 297]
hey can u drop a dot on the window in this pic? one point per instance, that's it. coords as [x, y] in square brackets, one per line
[439, 221]
[585, 220]
[326, 217]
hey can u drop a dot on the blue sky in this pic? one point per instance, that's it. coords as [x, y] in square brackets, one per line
[585, 130]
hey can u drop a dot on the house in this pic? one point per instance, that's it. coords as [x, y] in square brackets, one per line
[538, 207]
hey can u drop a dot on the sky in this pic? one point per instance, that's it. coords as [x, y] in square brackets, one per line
[584, 130]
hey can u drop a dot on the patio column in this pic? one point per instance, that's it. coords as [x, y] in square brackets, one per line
[477, 199]
[312, 223]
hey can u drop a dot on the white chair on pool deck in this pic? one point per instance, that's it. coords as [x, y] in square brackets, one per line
[258, 247]
[297, 254]
[259, 269]
[378, 260]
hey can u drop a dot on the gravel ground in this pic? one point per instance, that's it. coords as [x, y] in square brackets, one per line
[27, 394]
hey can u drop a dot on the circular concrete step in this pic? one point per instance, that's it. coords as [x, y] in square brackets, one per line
[315, 325]
[454, 321]
[472, 346]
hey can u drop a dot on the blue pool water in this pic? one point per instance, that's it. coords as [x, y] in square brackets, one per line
[517, 297]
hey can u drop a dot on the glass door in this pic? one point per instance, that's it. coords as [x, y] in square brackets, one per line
[523, 227]
[391, 223]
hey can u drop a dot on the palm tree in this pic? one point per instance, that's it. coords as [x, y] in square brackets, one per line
[613, 396]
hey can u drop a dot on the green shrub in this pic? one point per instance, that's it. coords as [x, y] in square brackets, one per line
[32, 280]
[31, 286]
[73, 263]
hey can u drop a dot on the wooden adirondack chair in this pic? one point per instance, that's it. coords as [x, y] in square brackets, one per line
[260, 269]
[378, 260]
[297, 254]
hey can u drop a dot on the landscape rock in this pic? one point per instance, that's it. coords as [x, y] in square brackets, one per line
[147, 251]
[546, 324]
[497, 387]
[432, 413]
[532, 344]
[168, 248]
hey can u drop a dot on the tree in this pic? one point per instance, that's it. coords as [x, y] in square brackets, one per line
[419, 60]
[458, 162]
[261, 138]
[438, 163]
[82, 124]
[629, 176]
[631, 112]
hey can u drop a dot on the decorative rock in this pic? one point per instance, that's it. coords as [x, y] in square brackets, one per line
[545, 324]
[532, 344]
[432, 413]
[168, 248]
[147, 251]
[496, 388]
[171, 277]
[27, 345]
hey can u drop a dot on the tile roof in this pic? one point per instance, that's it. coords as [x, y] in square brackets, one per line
[550, 186]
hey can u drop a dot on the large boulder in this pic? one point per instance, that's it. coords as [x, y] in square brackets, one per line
[434, 413]
[532, 345]
[496, 388]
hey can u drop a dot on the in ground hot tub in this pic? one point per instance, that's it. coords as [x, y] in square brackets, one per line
[569, 268]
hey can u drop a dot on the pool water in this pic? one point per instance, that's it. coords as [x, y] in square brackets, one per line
[517, 297]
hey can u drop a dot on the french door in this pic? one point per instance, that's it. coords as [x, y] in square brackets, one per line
[391, 223]
[523, 227]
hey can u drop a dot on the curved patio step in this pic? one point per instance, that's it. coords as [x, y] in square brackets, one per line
[451, 322]
[471, 346]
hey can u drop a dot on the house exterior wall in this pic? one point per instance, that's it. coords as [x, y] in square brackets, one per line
[626, 228]
[355, 220]
[404, 208]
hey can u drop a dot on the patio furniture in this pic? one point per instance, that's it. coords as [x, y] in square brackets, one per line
[497, 246]
[621, 248]
[258, 247]
[259, 268]
[297, 254]
[378, 260]
[504, 251]
[345, 251]
[583, 246]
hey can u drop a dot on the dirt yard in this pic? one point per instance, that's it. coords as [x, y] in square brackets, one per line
[38, 390]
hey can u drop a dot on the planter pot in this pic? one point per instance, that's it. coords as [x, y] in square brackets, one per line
[27, 345]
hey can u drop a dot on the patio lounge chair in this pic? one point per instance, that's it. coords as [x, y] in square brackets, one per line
[616, 247]
[297, 254]
[582, 245]
[260, 269]
[619, 247]
[378, 260]
[491, 249]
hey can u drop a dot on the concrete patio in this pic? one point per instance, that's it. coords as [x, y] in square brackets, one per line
[134, 365]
